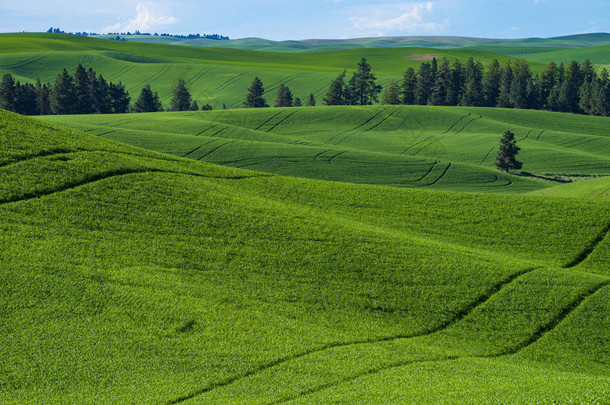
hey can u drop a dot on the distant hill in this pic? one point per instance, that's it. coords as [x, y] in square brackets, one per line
[441, 42]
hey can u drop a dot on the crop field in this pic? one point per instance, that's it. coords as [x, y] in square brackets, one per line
[132, 276]
[450, 148]
[214, 76]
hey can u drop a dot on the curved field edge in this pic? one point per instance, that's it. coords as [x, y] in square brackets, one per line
[175, 281]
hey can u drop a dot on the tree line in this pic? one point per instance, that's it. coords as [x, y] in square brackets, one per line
[575, 88]
[86, 93]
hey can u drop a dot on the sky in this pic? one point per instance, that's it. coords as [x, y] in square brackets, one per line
[312, 19]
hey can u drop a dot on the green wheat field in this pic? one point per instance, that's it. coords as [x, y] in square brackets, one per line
[310, 255]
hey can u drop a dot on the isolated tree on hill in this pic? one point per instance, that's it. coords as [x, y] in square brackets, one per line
[147, 102]
[311, 101]
[335, 94]
[63, 97]
[255, 99]
[391, 94]
[284, 96]
[507, 153]
[362, 87]
[297, 102]
[8, 96]
[181, 101]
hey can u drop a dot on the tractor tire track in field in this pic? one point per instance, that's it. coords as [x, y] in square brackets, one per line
[228, 83]
[267, 121]
[335, 156]
[469, 122]
[446, 133]
[206, 130]
[459, 315]
[488, 153]
[214, 150]
[415, 144]
[383, 120]
[281, 121]
[159, 73]
[427, 173]
[349, 131]
[24, 63]
[455, 123]
[441, 176]
[537, 335]
[540, 134]
[582, 256]
[121, 71]
[199, 147]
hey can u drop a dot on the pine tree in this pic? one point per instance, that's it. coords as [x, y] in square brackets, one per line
[506, 81]
[491, 83]
[569, 91]
[63, 97]
[409, 83]
[441, 85]
[297, 102]
[311, 101]
[423, 87]
[518, 95]
[181, 100]
[284, 96]
[147, 102]
[8, 96]
[600, 101]
[335, 93]
[586, 91]
[454, 94]
[43, 98]
[548, 80]
[362, 87]
[507, 153]
[25, 99]
[391, 94]
[82, 91]
[119, 98]
[473, 90]
[194, 106]
[255, 99]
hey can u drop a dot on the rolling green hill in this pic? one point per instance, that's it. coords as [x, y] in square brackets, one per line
[130, 276]
[451, 148]
[259, 44]
[213, 75]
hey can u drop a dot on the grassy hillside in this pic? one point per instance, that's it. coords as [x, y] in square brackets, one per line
[213, 75]
[132, 276]
[449, 148]
[259, 44]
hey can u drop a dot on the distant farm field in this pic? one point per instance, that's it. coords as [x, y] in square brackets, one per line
[450, 148]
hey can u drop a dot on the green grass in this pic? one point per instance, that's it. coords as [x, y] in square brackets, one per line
[213, 75]
[130, 276]
[447, 148]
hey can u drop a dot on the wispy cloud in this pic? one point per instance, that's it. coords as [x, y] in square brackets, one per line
[411, 18]
[148, 17]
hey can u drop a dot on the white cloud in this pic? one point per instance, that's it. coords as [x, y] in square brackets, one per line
[413, 18]
[148, 17]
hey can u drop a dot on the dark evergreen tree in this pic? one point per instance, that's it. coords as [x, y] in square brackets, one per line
[569, 92]
[181, 100]
[423, 87]
[454, 94]
[25, 99]
[224, 106]
[335, 93]
[548, 80]
[311, 101]
[507, 153]
[519, 94]
[82, 91]
[491, 83]
[408, 86]
[8, 93]
[43, 96]
[255, 99]
[363, 90]
[208, 107]
[284, 96]
[506, 82]
[600, 101]
[391, 94]
[473, 90]
[63, 97]
[297, 102]
[147, 102]
[439, 95]
[587, 88]
[194, 106]
[119, 97]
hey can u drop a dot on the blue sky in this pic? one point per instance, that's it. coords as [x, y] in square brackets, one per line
[287, 19]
